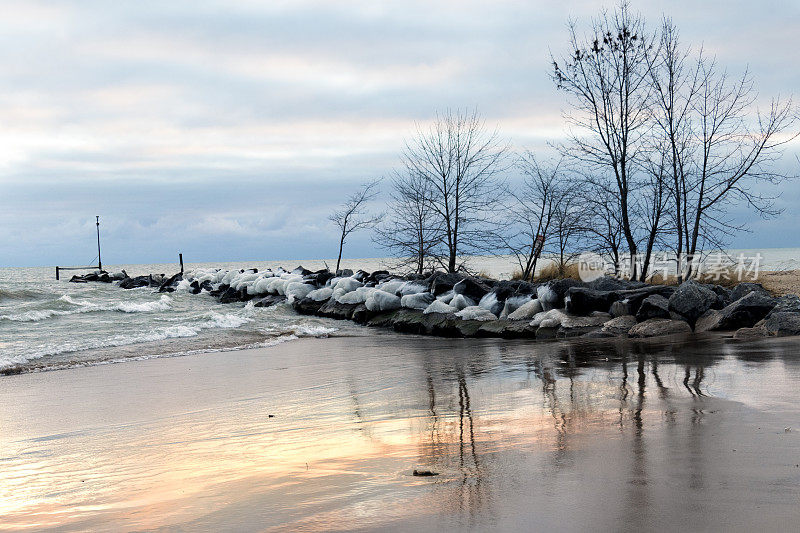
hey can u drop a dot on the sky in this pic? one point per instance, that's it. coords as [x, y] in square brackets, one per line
[230, 130]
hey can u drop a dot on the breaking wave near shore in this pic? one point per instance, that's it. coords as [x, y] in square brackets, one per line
[46, 325]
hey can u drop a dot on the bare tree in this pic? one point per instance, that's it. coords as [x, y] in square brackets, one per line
[569, 224]
[675, 86]
[531, 215]
[603, 223]
[651, 204]
[412, 232]
[460, 162]
[354, 215]
[607, 78]
[735, 151]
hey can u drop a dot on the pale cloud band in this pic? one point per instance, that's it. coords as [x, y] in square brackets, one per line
[231, 130]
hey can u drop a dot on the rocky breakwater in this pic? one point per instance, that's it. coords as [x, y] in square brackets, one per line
[457, 305]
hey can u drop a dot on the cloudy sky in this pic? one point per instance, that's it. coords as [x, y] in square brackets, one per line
[229, 130]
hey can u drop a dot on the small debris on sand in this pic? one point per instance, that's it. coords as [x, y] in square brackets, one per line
[425, 473]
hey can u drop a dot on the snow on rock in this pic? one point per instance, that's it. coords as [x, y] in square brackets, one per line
[513, 303]
[320, 295]
[358, 296]
[379, 300]
[412, 287]
[297, 291]
[548, 319]
[446, 297]
[547, 297]
[526, 311]
[488, 301]
[460, 302]
[391, 286]
[417, 301]
[239, 281]
[475, 312]
[439, 306]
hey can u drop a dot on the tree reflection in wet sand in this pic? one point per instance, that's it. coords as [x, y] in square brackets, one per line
[602, 435]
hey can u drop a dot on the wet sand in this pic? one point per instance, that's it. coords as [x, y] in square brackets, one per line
[608, 436]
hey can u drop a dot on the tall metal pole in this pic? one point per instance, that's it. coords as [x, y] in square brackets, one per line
[99, 260]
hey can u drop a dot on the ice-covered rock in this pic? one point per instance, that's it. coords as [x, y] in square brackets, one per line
[379, 300]
[320, 295]
[417, 301]
[358, 296]
[547, 297]
[412, 287]
[475, 312]
[548, 319]
[391, 286]
[513, 303]
[297, 290]
[526, 311]
[446, 297]
[460, 302]
[348, 284]
[439, 306]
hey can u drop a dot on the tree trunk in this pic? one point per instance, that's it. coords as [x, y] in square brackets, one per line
[339, 260]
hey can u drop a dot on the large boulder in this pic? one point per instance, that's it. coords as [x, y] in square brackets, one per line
[723, 296]
[657, 327]
[746, 334]
[743, 313]
[619, 326]
[230, 295]
[274, 299]
[584, 300]
[743, 289]
[746, 311]
[472, 288]
[783, 324]
[506, 329]
[441, 282]
[319, 278]
[135, 282]
[577, 326]
[334, 309]
[691, 300]
[708, 321]
[654, 306]
[786, 304]
[620, 308]
[559, 288]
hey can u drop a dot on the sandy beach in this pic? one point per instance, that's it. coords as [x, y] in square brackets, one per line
[324, 434]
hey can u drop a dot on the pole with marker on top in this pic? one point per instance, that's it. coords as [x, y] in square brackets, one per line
[99, 260]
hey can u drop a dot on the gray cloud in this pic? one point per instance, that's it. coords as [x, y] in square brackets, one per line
[232, 130]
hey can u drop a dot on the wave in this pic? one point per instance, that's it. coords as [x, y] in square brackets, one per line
[21, 294]
[22, 363]
[163, 304]
[62, 365]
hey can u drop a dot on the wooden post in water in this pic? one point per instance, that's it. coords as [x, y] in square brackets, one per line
[180, 258]
[56, 273]
[99, 261]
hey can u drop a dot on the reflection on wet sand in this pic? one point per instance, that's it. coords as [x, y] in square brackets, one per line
[604, 435]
